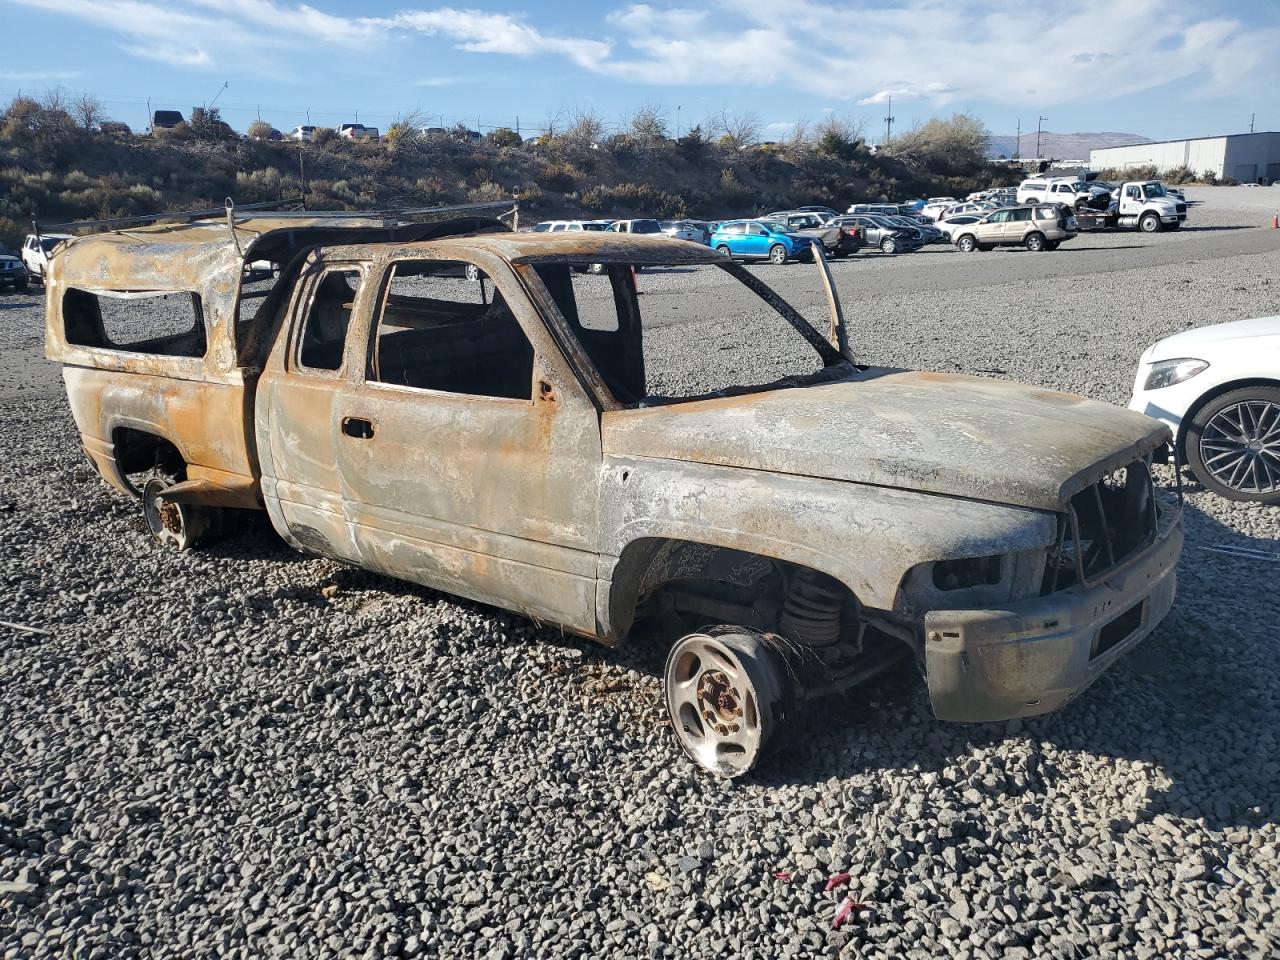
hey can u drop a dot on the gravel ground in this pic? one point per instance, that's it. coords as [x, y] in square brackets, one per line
[245, 752]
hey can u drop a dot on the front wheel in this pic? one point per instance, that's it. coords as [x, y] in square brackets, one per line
[777, 253]
[1233, 445]
[725, 695]
[21, 285]
[967, 244]
[1150, 223]
[1035, 242]
[723, 250]
[888, 245]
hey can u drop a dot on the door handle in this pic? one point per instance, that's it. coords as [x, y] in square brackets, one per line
[357, 427]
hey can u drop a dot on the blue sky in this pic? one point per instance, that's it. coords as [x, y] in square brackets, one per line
[1162, 68]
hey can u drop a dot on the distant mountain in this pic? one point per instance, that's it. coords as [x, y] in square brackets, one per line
[1059, 146]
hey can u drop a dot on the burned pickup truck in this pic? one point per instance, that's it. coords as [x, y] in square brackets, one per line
[468, 408]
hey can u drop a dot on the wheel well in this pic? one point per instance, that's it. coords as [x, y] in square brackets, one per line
[699, 583]
[138, 451]
[1208, 397]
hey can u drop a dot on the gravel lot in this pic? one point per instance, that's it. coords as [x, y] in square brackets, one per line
[245, 752]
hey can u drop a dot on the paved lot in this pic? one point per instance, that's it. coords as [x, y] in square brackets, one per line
[249, 753]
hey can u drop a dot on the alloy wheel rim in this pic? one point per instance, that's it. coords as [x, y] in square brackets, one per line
[714, 707]
[1240, 446]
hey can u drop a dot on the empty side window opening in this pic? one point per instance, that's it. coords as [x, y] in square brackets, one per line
[253, 315]
[640, 346]
[324, 335]
[437, 330]
[136, 321]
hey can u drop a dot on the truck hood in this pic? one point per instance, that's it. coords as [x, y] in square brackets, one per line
[945, 434]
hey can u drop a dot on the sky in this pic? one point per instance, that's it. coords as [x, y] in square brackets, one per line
[1160, 68]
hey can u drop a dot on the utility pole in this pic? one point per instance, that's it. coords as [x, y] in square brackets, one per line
[302, 174]
[1039, 121]
[678, 109]
[888, 122]
[1251, 118]
[1017, 144]
[308, 116]
[224, 86]
[149, 115]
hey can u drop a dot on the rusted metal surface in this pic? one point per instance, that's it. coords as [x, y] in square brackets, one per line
[552, 504]
[945, 434]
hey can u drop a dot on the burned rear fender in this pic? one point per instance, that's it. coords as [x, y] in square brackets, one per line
[866, 537]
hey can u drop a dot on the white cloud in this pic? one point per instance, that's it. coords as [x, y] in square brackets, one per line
[436, 82]
[937, 51]
[942, 51]
[180, 57]
[38, 76]
[479, 32]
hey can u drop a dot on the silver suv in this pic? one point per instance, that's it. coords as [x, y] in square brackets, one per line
[1041, 226]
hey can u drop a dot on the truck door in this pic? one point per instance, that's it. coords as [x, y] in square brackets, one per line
[297, 403]
[469, 452]
[1131, 200]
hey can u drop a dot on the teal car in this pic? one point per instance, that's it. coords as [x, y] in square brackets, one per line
[760, 240]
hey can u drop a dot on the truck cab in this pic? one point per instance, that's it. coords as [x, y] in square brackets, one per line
[1147, 205]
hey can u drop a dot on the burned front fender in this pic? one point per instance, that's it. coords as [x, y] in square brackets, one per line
[866, 537]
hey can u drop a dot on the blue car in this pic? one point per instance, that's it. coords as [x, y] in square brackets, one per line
[759, 240]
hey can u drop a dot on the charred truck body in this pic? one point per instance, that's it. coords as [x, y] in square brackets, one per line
[454, 404]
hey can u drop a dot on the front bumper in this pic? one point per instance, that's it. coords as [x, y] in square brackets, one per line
[1036, 655]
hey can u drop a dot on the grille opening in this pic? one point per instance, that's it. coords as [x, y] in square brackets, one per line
[1106, 523]
[1118, 630]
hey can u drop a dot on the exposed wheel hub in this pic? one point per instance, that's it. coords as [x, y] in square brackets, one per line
[719, 702]
[170, 516]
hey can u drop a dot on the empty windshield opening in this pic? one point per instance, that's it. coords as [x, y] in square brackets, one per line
[641, 345]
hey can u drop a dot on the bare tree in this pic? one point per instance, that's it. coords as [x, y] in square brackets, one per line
[649, 123]
[554, 123]
[587, 127]
[799, 132]
[56, 99]
[86, 110]
[737, 131]
[405, 131]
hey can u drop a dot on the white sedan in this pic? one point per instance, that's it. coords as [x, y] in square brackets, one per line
[1218, 388]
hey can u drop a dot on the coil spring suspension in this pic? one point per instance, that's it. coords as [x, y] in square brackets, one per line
[811, 613]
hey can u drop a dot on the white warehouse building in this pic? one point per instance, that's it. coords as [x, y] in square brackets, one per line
[1247, 157]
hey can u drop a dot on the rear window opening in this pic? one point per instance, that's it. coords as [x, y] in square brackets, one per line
[160, 322]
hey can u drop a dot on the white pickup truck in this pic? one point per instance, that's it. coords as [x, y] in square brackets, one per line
[1144, 205]
[1072, 191]
[36, 250]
